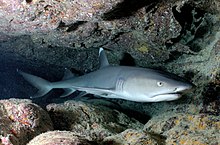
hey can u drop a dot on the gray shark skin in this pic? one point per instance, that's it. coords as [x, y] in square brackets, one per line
[121, 82]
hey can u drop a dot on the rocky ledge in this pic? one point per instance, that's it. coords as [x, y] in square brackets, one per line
[76, 122]
[44, 37]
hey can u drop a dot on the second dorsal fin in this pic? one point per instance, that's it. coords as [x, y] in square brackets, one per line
[68, 74]
[103, 61]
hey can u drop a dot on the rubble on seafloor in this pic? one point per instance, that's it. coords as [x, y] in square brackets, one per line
[76, 122]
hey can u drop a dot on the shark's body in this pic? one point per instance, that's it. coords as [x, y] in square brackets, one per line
[123, 82]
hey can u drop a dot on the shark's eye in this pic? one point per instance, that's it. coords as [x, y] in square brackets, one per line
[160, 84]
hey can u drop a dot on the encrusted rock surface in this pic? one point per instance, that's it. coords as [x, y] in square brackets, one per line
[39, 15]
[94, 122]
[59, 138]
[186, 128]
[134, 137]
[21, 120]
[152, 34]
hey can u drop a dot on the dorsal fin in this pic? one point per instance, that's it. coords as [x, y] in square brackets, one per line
[68, 74]
[103, 61]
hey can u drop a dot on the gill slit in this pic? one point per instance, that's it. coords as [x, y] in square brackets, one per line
[120, 84]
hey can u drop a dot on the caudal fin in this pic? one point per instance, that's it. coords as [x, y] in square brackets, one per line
[44, 86]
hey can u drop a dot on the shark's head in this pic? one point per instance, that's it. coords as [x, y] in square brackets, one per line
[156, 86]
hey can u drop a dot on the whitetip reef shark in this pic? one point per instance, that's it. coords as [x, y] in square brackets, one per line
[120, 82]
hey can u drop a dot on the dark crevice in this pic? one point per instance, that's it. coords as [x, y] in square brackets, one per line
[128, 8]
[50, 46]
[116, 36]
[141, 117]
[189, 75]
[211, 103]
[211, 93]
[127, 60]
[28, 1]
[184, 17]
[97, 31]
[82, 45]
[195, 27]
[70, 27]
[173, 56]
[43, 41]
[74, 26]
[159, 137]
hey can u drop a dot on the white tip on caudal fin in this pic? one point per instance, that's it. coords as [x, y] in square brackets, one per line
[103, 61]
[44, 86]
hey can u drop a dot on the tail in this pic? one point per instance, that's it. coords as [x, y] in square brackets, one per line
[44, 86]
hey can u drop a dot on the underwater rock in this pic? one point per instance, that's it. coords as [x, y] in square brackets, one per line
[94, 122]
[133, 137]
[21, 120]
[180, 36]
[43, 16]
[152, 32]
[59, 138]
[186, 128]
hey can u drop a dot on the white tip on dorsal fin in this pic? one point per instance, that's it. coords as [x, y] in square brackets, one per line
[68, 74]
[103, 61]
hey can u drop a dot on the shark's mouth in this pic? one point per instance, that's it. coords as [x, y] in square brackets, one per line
[172, 93]
[176, 93]
[166, 97]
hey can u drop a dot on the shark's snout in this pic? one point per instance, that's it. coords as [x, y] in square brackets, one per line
[184, 87]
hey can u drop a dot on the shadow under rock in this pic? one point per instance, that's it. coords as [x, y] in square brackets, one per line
[127, 60]
[115, 104]
[128, 7]
[12, 85]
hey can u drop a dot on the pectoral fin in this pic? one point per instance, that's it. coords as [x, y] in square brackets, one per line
[81, 94]
[94, 90]
[104, 92]
[67, 92]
